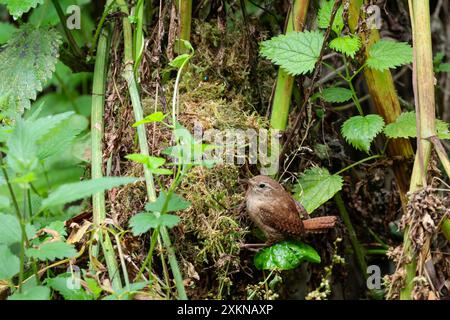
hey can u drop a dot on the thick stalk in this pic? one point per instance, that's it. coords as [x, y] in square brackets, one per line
[423, 81]
[285, 82]
[70, 39]
[98, 199]
[382, 90]
[128, 74]
[185, 14]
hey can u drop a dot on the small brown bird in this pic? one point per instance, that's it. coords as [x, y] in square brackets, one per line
[277, 214]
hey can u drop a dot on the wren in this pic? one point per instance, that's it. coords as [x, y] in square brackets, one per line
[277, 214]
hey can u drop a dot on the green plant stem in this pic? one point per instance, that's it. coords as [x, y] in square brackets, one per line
[100, 26]
[185, 10]
[376, 252]
[70, 39]
[97, 127]
[357, 247]
[285, 82]
[359, 162]
[143, 144]
[138, 37]
[122, 262]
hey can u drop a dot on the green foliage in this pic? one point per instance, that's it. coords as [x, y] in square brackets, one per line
[324, 16]
[51, 251]
[6, 29]
[25, 65]
[154, 117]
[405, 127]
[295, 52]
[387, 54]
[17, 8]
[9, 263]
[32, 293]
[80, 190]
[285, 255]
[59, 284]
[142, 222]
[152, 163]
[360, 131]
[10, 231]
[163, 204]
[348, 45]
[336, 94]
[315, 187]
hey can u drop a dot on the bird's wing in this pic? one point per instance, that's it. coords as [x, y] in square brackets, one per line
[282, 217]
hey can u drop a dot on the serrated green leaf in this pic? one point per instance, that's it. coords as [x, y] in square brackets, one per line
[60, 284]
[58, 226]
[315, 187]
[33, 293]
[154, 117]
[52, 251]
[80, 190]
[17, 8]
[285, 255]
[387, 54]
[175, 203]
[9, 263]
[295, 52]
[324, 16]
[25, 65]
[10, 231]
[405, 127]
[336, 94]
[142, 222]
[348, 45]
[360, 131]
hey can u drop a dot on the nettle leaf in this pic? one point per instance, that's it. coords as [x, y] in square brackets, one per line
[142, 222]
[52, 251]
[9, 263]
[315, 187]
[32, 293]
[348, 45]
[17, 8]
[175, 203]
[336, 94]
[360, 131]
[25, 65]
[83, 189]
[154, 117]
[324, 16]
[386, 54]
[10, 231]
[405, 127]
[296, 52]
[285, 255]
[60, 284]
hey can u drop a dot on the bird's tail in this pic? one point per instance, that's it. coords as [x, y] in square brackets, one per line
[319, 224]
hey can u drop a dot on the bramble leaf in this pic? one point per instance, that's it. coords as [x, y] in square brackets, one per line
[387, 54]
[25, 65]
[296, 52]
[315, 187]
[336, 94]
[359, 131]
[348, 45]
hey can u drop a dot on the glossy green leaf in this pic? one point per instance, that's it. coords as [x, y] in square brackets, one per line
[154, 117]
[360, 131]
[285, 255]
[180, 60]
[315, 187]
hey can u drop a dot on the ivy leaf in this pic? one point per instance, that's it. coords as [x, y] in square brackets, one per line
[9, 263]
[405, 127]
[142, 222]
[336, 94]
[348, 45]
[315, 187]
[386, 54]
[359, 131]
[80, 190]
[324, 16]
[25, 65]
[10, 231]
[33, 293]
[60, 284]
[52, 251]
[17, 8]
[154, 117]
[296, 52]
[175, 203]
[285, 255]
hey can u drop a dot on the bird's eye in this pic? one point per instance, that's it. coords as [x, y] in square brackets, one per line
[262, 185]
